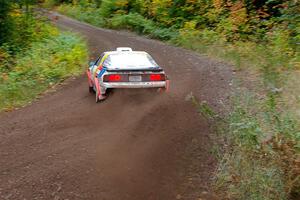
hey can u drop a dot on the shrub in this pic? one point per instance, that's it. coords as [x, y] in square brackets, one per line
[139, 24]
[85, 14]
[45, 63]
[261, 161]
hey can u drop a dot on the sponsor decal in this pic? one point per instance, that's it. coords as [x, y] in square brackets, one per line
[101, 72]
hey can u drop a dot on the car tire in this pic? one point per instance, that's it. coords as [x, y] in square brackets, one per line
[91, 90]
[99, 98]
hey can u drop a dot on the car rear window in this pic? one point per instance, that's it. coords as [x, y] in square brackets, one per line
[130, 60]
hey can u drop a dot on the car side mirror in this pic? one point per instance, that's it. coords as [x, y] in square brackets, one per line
[92, 63]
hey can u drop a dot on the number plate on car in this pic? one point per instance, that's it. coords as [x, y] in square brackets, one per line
[135, 78]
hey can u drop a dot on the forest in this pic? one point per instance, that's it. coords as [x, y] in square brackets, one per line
[29, 45]
[260, 155]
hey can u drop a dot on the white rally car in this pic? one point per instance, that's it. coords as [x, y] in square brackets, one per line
[125, 68]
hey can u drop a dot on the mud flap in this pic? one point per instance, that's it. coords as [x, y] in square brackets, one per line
[167, 88]
[99, 96]
[98, 88]
[89, 78]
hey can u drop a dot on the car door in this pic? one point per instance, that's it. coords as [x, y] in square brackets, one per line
[95, 66]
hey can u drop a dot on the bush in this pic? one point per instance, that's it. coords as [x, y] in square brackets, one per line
[139, 24]
[5, 21]
[261, 161]
[85, 14]
[45, 63]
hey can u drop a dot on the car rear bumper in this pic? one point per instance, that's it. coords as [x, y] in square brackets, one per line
[156, 84]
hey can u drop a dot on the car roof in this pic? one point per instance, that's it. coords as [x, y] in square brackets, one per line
[126, 58]
[125, 52]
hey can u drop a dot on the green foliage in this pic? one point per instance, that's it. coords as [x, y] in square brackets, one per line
[245, 176]
[107, 9]
[213, 21]
[262, 161]
[54, 57]
[49, 3]
[86, 14]
[26, 31]
[19, 30]
[136, 22]
[5, 21]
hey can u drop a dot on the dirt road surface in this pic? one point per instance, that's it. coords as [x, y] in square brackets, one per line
[137, 145]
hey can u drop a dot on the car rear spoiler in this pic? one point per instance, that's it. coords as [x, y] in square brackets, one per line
[135, 70]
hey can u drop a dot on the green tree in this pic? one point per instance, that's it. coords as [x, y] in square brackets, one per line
[27, 3]
[98, 3]
[5, 21]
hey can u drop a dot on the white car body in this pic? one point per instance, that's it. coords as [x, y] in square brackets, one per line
[125, 68]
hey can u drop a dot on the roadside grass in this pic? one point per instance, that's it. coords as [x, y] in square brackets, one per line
[132, 21]
[85, 14]
[46, 62]
[260, 157]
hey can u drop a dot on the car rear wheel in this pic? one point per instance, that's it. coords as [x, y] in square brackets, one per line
[99, 97]
[91, 90]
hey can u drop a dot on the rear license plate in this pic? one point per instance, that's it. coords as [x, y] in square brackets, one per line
[135, 78]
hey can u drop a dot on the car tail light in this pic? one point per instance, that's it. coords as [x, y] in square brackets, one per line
[112, 78]
[157, 77]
